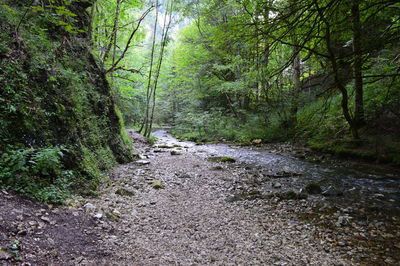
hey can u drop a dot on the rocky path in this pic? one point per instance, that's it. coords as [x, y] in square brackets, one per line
[177, 210]
[175, 207]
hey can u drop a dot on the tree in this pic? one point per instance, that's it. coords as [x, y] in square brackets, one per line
[327, 21]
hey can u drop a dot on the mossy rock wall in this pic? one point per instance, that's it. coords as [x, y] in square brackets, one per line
[55, 95]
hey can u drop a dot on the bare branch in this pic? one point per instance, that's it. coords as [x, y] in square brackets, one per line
[130, 40]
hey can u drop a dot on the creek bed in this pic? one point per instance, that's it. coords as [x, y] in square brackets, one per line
[356, 204]
[347, 184]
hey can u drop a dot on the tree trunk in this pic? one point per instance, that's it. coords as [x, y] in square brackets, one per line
[163, 43]
[296, 87]
[113, 33]
[266, 52]
[338, 83]
[148, 91]
[116, 24]
[357, 66]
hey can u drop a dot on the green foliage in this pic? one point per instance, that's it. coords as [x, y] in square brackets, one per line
[59, 128]
[322, 119]
[322, 125]
[228, 81]
[216, 125]
[151, 140]
[124, 135]
[38, 173]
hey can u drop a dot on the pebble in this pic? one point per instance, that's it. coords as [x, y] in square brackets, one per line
[176, 153]
[98, 215]
[142, 162]
[45, 219]
[116, 213]
[89, 207]
[198, 226]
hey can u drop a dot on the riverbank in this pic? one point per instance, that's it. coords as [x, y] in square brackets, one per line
[372, 148]
[177, 206]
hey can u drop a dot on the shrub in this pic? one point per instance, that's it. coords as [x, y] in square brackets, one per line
[37, 173]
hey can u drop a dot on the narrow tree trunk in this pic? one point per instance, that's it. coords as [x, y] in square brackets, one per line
[338, 83]
[296, 67]
[258, 66]
[266, 55]
[357, 66]
[116, 24]
[231, 106]
[23, 17]
[148, 91]
[113, 33]
[163, 43]
[90, 30]
[296, 87]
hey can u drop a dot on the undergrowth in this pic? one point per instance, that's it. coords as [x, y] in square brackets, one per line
[60, 130]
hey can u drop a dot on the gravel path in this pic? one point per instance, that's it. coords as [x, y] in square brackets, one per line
[192, 221]
[177, 206]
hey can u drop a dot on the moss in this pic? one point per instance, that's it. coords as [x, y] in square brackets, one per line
[55, 95]
[227, 160]
[157, 185]
[125, 137]
[124, 192]
[363, 151]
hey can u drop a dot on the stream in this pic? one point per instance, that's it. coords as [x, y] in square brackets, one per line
[345, 184]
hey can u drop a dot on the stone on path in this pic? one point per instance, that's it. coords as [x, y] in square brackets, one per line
[157, 184]
[143, 162]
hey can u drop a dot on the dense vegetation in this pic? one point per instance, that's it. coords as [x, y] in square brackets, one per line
[59, 127]
[317, 71]
[324, 73]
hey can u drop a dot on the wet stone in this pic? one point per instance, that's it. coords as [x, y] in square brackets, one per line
[313, 188]
[332, 192]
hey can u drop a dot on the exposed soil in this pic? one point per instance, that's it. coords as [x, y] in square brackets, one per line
[175, 207]
[32, 233]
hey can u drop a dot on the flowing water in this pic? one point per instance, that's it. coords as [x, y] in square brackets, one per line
[346, 183]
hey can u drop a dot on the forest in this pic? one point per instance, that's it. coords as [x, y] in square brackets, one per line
[272, 106]
[323, 73]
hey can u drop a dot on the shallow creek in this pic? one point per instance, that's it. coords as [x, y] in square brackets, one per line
[346, 184]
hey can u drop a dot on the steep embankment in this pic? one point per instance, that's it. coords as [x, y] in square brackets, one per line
[59, 126]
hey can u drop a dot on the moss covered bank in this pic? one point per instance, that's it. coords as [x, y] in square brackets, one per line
[60, 129]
